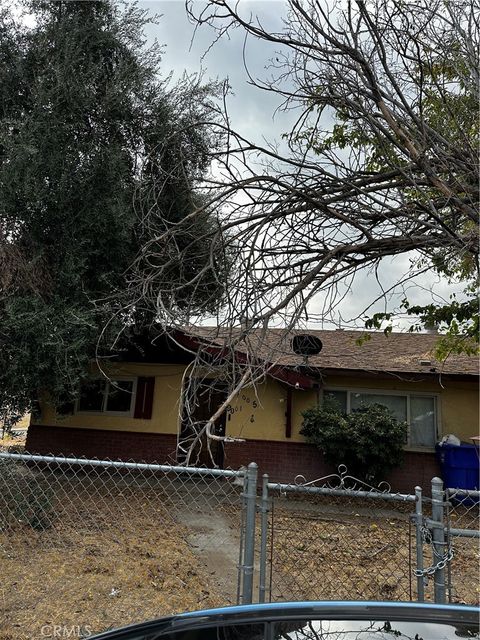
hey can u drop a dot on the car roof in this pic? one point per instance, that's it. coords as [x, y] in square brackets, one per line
[278, 611]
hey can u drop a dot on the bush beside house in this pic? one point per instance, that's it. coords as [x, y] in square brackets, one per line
[369, 442]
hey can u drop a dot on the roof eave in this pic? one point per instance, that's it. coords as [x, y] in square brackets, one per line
[389, 374]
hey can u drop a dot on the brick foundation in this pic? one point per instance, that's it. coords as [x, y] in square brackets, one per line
[284, 460]
[281, 460]
[417, 469]
[102, 443]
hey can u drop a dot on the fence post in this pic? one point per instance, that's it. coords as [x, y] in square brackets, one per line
[250, 495]
[263, 539]
[241, 544]
[419, 544]
[438, 538]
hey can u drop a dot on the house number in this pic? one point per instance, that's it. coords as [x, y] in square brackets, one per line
[248, 400]
[230, 410]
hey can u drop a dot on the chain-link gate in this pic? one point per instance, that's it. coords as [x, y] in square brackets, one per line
[463, 537]
[101, 543]
[336, 538]
[339, 538]
[448, 535]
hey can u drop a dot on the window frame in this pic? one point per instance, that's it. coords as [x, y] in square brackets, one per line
[407, 395]
[103, 411]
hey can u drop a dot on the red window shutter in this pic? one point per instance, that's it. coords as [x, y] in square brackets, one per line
[140, 398]
[148, 405]
[144, 397]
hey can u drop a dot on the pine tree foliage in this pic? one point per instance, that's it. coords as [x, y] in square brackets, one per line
[97, 156]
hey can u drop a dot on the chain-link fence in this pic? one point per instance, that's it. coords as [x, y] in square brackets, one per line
[462, 539]
[99, 544]
[337, 539]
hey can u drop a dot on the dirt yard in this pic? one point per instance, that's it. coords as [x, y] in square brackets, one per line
[100, 580]
[15, 442]
[97, 552]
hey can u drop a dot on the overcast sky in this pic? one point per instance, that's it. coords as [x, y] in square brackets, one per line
[253, 113]
[251, 110]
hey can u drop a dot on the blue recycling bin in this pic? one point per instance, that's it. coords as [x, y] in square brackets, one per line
[460, 465]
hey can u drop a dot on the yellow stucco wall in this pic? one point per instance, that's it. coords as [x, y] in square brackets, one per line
[165, 410]
[260, 413]
[460, 410]
[458, 406]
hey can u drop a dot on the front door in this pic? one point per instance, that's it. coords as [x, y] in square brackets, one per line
[198, 408]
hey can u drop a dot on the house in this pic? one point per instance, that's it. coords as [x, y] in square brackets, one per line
[138, 412]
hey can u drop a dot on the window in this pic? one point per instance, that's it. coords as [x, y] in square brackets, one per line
[396, 404]
[418, 411]
[338, 399]
[107, 396]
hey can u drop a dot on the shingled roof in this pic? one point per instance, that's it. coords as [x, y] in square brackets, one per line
[400, 353]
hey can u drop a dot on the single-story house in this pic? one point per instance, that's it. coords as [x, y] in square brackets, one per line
[137, 412]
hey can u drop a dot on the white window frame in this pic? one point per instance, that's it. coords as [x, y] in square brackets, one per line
[405, 394]
[108, 382]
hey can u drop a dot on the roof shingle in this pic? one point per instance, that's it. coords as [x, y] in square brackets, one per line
[395, 352]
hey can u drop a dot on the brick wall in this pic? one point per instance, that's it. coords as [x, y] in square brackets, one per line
[100, 443]
[417, 469]
[284, 460]
[281, 460]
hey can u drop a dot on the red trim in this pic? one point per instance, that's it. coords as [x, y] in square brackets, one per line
[140, 398]
[144, 397]
[149, 391]
[281, 373]
[292, 378]
[288, 414]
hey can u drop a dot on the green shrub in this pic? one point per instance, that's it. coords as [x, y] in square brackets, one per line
[369, 442]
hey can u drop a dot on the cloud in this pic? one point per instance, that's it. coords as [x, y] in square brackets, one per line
[254, 113]
[251, 110]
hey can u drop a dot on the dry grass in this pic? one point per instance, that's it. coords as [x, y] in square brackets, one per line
[349, 555]
[342, 558]
[111, 553]
[23, 422]
[98, 580]
[15, 442]
[465, 567]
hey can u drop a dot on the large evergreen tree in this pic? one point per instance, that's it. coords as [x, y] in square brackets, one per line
[96, 158]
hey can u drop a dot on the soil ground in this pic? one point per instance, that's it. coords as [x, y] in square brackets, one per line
[220, 561]
[100, 552]
[99, 580]
[333, 549]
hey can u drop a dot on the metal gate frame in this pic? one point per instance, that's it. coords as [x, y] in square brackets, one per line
[438, 532]
[435, 531]
[322, 486]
